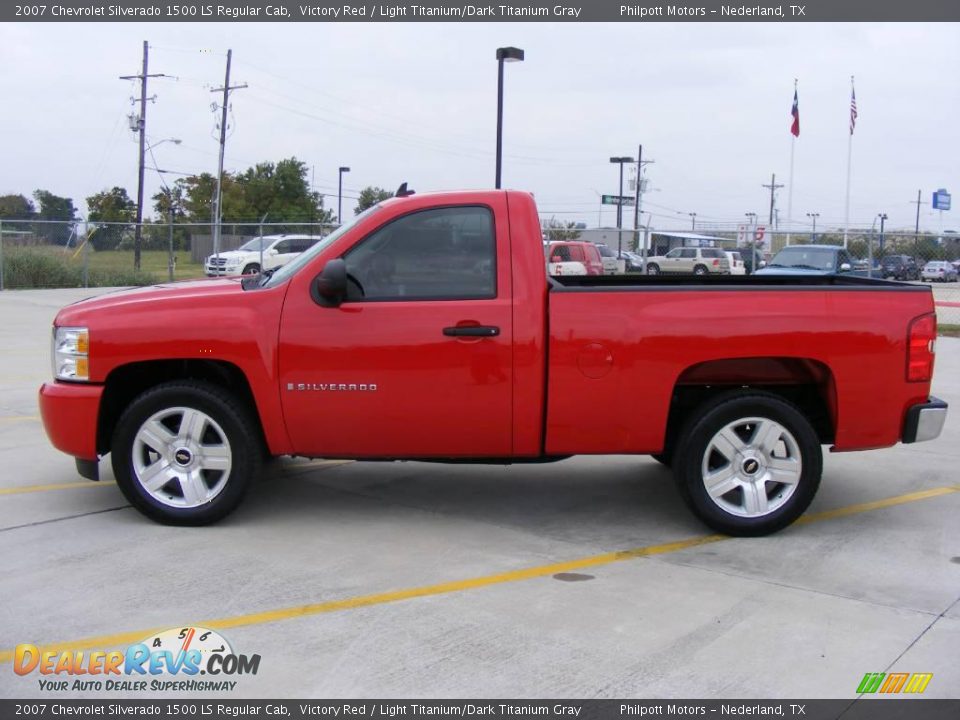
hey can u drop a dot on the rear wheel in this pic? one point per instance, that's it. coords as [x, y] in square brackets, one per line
[653, 269]
[184, 453]
[700, 270]
[748, 463]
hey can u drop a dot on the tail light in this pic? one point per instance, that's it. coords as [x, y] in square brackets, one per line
[921, 337]
[716, 263]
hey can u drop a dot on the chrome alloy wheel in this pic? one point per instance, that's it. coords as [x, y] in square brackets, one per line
[751, 467]
[181, 457]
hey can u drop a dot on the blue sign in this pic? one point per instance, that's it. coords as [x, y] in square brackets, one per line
[941, 200]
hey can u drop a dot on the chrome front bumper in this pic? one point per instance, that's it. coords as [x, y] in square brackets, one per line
[925, 421]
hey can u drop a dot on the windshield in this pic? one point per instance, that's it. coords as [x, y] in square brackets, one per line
[254, 245]
[292, 267]
[805, 256]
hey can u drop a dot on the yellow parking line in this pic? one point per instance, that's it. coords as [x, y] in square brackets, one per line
[18, 418]
[271, 616]
[56, 486]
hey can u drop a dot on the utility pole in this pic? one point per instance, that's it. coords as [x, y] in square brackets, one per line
[813, 217]
[693, 221]
[636, 196]
[883, 218]
[773, 188]
[223, 141]
[142, 127]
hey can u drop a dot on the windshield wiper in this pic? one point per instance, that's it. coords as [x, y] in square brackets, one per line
[805, 267]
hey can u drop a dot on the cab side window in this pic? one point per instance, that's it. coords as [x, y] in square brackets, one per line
[443, 253]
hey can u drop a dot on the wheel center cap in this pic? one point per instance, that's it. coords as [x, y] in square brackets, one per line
[751, 466]
[182, 456]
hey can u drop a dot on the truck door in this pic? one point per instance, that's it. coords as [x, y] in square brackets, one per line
[417, 362]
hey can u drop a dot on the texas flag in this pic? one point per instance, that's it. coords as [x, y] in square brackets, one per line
[795, 128]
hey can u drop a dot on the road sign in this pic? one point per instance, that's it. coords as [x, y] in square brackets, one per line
[941, 200]
[616, 200]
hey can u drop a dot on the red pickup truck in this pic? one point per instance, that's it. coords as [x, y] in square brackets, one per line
[427, 328]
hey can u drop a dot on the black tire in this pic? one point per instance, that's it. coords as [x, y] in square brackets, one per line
[664, 459]
[251, 269]
[700, 270]
[787, 501]
[653, 269]
[243, 444]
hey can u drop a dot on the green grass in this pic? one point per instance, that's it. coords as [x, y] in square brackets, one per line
[50, 267]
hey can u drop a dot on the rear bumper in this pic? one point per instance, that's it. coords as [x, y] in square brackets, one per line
[69, 412]
[924, 421]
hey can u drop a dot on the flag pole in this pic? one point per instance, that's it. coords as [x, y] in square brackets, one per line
[846, 212]
[793, 147]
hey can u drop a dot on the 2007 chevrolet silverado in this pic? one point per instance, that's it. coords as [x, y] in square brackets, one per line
[428, 329]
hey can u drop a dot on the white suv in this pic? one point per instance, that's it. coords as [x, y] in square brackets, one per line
[278, 250]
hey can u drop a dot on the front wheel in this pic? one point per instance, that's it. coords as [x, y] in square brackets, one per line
[184, 453]
[700, 270]
[748, 463]
[251, 269]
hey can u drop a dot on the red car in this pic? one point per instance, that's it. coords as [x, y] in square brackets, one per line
[581, 252]
[427, 328]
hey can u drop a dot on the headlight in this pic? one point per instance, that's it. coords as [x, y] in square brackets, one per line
[70, 354]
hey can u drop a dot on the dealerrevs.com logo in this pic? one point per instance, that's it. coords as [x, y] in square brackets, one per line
[180, 659]
[892, 683]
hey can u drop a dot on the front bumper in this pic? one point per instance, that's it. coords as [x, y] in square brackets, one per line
[924, 421]
[70, 412]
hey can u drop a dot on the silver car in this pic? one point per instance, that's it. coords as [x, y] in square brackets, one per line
[938, 271]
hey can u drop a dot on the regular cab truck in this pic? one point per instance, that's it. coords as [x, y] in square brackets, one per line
[428, 329]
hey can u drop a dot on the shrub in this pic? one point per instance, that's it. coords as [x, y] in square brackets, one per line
[33, 268]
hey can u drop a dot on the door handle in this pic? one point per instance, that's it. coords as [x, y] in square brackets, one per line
[471, 331]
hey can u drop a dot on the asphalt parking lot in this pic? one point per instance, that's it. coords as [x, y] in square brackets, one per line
[414, 580]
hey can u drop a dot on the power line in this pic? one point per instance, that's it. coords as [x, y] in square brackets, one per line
[223, 141]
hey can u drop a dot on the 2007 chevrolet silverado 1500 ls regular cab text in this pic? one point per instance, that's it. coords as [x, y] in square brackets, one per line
[428, 329]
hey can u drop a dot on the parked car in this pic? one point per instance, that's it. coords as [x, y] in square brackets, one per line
[609, 258]
[574, 251]
[737, 266]
[278, 250]
[939, 271]
[632, 262]
[809, 260]
[690, 261]
[900, 267]
[359, 349]
[557, 266]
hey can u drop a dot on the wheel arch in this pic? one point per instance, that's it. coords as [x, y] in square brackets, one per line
[807, 383]
[126, 382]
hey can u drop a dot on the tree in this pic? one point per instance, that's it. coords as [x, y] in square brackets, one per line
[556, 230]
[115, 207]
[16, 207]
[55, 208]
[369, 197]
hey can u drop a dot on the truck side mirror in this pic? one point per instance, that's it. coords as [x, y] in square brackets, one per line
[329, 288]
[845, 267]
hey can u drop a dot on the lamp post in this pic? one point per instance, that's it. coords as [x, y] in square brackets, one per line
[341, 170]
[883, 218]
[753, 240]
[504, 55]
[693, 221]
[813, 217]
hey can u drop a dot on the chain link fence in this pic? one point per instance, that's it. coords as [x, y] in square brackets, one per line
[68, 254]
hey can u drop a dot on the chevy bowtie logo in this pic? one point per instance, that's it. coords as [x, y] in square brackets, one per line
[333, 387]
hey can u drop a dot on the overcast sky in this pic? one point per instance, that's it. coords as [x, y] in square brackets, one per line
[417, 102]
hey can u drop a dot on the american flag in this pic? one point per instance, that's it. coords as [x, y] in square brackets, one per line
[853, 110]
[795, 127]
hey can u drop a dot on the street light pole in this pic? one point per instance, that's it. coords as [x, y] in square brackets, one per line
[883, 218]
[813, 217]
[504, 54]
[341, 171]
